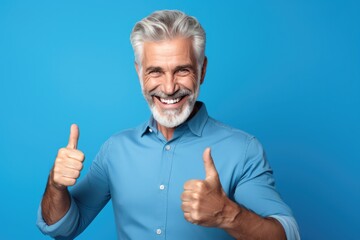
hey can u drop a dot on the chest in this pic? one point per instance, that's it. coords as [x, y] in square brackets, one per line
[151, 176]
[146, 182]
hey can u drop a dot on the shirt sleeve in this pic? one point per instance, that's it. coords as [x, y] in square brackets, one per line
[290, 226]
[256, 190]
[64, 226]
[88, 197]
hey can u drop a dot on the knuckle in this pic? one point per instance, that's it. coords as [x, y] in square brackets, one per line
[62, 151]
[56, 169]
[187, 185]
[183, 206]
[76, 174]
[187, 216]
[191, 184]
[200, 185]
[196, 217]
[58, 161]
[196, 196]
[78, 166]
[182, 197]
[196, 206]
[71, 182]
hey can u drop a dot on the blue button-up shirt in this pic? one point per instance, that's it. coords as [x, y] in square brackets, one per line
[144, 174]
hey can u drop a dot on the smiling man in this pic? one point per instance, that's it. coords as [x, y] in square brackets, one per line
[182, 174]
[170, 80]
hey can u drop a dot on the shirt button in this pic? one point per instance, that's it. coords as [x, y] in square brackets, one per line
[167, 147]
[150, 130]
[158, 231]
[162, 187]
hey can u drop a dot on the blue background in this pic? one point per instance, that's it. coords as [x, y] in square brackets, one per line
[286, 71]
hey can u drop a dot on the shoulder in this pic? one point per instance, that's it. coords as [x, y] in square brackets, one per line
[222, 130]
[125, 136]
[234, 141]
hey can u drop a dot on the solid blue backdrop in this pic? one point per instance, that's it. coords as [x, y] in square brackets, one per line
[285, 71]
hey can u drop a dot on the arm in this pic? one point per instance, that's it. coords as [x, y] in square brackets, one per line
[205, 203]
[245, 224]
[65, 214]
[67, 167]
[55, 202]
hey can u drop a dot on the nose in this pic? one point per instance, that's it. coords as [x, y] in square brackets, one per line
[170, 85]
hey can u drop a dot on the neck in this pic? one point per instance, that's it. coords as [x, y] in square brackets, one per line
[166, 132]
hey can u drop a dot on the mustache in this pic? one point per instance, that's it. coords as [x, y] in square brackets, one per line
[178, 94]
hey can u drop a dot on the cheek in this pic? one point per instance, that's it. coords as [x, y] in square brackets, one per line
[150, 84]
[190, 83]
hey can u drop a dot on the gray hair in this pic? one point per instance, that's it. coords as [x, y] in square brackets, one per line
[167, 25]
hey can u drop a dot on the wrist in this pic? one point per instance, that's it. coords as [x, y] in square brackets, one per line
[54, 185]
[230, 214]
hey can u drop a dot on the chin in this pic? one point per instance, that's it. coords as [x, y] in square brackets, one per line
[174, 117]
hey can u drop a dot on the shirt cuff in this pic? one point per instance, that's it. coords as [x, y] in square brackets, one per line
[64, 227]
[290, 226]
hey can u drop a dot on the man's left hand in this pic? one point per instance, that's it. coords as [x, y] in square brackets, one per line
[203, 201]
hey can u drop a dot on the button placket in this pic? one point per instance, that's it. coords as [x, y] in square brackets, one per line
[168, 149]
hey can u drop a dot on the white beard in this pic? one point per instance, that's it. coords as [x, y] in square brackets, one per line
[175, 117]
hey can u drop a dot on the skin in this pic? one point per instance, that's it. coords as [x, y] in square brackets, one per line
[67, 167]
[167, 66]
[205, 203]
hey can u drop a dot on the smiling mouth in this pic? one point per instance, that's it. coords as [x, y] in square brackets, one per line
[170, 100]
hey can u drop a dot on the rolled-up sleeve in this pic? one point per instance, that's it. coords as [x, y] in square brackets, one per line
[256, 190]
[290, 226]
[64, 227]
[88, 197]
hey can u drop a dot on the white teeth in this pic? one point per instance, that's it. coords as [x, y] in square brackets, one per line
[170, 101]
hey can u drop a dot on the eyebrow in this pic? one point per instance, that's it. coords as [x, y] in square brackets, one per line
[151, 69]
[184, 66]
[177, 68]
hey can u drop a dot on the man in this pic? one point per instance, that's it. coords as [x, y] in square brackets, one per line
[181, 175]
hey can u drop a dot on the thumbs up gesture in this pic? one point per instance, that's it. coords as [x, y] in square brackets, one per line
[68, 162]
[203, 201]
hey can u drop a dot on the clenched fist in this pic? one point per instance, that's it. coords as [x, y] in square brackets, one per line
[68, 162]
[203, 201]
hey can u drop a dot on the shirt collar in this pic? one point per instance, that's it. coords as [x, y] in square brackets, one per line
[195, 124]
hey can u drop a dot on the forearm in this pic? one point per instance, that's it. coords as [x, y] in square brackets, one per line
[244, 224]
[55, 202]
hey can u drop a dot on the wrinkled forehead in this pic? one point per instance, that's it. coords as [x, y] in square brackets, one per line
[168, 51]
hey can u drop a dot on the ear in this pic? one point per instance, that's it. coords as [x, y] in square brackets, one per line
[203, 70]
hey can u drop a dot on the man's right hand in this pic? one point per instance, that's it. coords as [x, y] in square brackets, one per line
[68, 162]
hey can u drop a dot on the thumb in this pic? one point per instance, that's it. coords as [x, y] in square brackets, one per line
[74, 137]
[210, 169]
